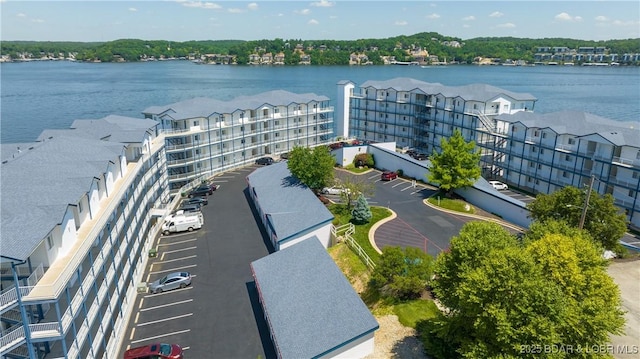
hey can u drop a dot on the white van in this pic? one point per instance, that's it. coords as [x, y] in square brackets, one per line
[182, 222]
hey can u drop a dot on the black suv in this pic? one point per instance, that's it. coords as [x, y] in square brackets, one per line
[201, 191]
[265, 161]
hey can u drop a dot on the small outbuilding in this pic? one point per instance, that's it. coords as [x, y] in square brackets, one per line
[311, 308]
[289, 211]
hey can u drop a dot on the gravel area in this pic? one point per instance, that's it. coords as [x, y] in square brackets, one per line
[394, 340]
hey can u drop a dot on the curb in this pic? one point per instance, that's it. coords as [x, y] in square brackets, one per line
[372, 230]
[483, 218]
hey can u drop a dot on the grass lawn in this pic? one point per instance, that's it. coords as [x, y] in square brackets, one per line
[452, 204]
[353, 169]
[361, 235]
[410, 313]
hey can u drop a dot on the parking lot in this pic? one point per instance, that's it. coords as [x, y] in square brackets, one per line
[415, 220]
[218, 315]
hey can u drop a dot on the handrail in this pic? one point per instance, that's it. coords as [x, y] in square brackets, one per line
[346, 230]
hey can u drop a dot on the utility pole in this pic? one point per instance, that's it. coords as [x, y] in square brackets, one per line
[586, 204]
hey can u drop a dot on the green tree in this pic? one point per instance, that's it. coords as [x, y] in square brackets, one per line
[353, 188]
[402, 273]
[313, 167]
[505, 299]
[457, 165]
[603, 221]
[361, 212]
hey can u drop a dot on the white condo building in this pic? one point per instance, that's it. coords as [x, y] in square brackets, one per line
[81, 208]
[538, 153]
[76, 221]
[205, 136]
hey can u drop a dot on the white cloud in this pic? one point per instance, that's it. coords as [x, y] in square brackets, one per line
[280, 15]
[253, 6]
[625, 23]
[313, 22]
[601, 18]
[469, 18]
[466, 26]
[401, 23]
[21, 15]
[323, 3]
[496, 14]
[433, 16]
[133, 9]
[201, 5]
[507, 25]
[236, 10]
[563, 16]
[303, 12]
[37, 20]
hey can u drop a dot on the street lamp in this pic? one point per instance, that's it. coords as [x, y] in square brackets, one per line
[586, 203]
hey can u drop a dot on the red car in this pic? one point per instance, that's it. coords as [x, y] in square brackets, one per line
[388, 176]
[156, 350]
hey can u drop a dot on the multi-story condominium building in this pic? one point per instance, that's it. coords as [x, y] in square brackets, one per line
[205, 136]
[539, 153]
[76, 217]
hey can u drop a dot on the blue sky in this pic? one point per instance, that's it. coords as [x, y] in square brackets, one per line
[183, 20]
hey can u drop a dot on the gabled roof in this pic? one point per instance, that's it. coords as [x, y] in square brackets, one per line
[579, 124]
[290, 206]
[205, 107]
[311, 307]
[473, 92]
[40, 180]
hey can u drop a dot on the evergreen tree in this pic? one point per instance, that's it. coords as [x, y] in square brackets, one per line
[361, 212]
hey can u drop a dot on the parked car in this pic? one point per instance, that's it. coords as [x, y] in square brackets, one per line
[335, 190]
[156, 350]
[171, 281]
[264, 161]
[190, 208]
[201, 191]
[284, 156]
[498, 185]
[388, 176]
[202, 201]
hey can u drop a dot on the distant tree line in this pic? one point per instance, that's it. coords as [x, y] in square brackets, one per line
[322, 52]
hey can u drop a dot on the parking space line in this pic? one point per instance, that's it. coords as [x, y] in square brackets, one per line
[180, 250]
[162, 261]
[168, 292]
[173, 270]
[396, 185]
[160, 336]
[406, 188]
[374, 176]
[165, 305]
[133, 332]
[174, 243]
[420, 190]
[164, 320]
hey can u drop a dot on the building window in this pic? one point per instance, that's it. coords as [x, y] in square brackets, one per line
[49, 242]
[531, 164]
[535, 133]
[534, 149]
[242, 128]
[539, 166]
[631, 193]
[513, 128]
[565, 174]
[80, 206]
[196, 123]
[572, 141]
[542, 151]
[635, 175]
[544, 135]
[567, 158]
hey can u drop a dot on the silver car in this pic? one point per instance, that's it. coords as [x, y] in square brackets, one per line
[171, 281]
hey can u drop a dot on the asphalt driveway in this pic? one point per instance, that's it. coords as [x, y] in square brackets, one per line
[219, 315]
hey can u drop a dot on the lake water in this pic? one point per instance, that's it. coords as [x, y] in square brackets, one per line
[42, 95]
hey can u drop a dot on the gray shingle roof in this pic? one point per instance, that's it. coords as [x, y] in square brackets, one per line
[204, 107]
[39, 182]
[291, 206]
[473, 92]
[312, 308]
[620, 133]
